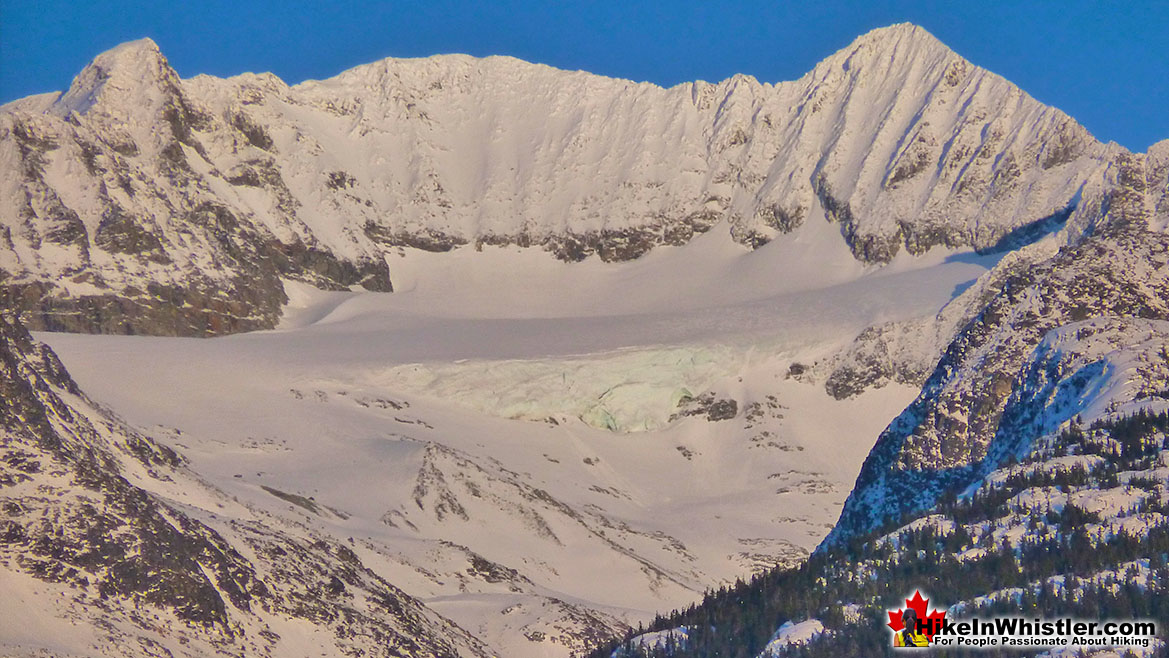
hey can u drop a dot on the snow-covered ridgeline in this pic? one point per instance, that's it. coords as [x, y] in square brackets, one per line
[135, 188]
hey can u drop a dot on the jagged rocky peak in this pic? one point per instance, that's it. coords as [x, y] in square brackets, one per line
[900, 41]
[895, 60]
[925, 148]
[131, 77]
[132, 94]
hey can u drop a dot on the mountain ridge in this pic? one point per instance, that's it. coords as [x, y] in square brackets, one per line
[212, 190]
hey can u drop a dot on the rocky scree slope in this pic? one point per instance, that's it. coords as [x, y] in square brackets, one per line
[100, 524]
[137, 202]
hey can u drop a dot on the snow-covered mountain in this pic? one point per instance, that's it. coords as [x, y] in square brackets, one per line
[141, 203]
[1029, 476]
[639, 344]
[1074, 524]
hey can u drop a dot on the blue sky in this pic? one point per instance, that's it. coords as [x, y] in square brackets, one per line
[1105, 63]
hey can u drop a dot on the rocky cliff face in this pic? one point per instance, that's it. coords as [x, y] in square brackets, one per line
[964, 423]
[102, 525]
[137, 202]
[112, 219]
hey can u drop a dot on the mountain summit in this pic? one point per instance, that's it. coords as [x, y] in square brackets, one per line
[129, 78]
[146, 204]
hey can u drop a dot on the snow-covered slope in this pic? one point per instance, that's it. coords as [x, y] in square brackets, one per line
[140, 203]
[1028, 477]
[543, 452]
[110, 545]
[1133, 190]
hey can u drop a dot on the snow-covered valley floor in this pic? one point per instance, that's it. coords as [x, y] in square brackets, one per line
[496, 437]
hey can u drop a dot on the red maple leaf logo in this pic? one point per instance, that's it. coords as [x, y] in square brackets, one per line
[930, 623]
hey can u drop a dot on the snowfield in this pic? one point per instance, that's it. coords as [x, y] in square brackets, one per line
[504, 437]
